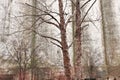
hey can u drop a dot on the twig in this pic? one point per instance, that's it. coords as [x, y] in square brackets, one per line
[56, 44]
[47, 37]
[44, 12]
[87, 12]
[85, 3]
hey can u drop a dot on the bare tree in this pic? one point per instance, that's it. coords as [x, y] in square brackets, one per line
[19, 57]
[78, 30]
[62, 25]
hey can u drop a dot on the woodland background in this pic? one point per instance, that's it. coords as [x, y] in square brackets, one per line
[59, 39]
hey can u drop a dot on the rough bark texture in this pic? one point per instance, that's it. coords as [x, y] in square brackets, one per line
[66, 59]
[77, 63]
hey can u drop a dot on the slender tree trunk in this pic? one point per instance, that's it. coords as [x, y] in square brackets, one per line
[104, 39]
[6, 19]
[33, 42]
[20, 74]
[73, 30]
[66, 59]
[25, 66]
[9, 16]
[110, 32]
[20, 67]
[78, 54]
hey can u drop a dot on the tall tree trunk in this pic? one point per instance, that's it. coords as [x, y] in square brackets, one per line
[73, 29]
[104, 39]
[5, 28]
[66, 59]
[9, 15]
[33, 42]
[77, 42]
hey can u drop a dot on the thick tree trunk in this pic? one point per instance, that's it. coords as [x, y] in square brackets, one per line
[77, 43]
[66, 59]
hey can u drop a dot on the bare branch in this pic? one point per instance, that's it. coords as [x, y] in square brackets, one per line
[83, 27]
[49, 22]
[47, 13]
[70, 44]
[72, 1]
[69, 19]
[27, 15]
[31, 26]
[87, 12]
[11, 54]
[51, 38]
[85, 3]
[47, 37]
[56, 44]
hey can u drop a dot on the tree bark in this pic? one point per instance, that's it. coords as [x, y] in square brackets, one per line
[66, 59]
[77, 42]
